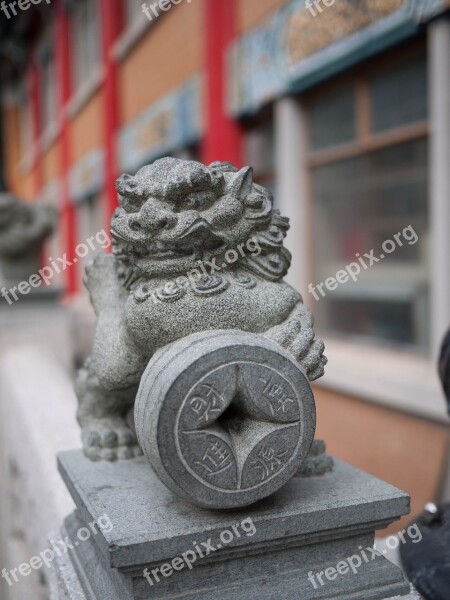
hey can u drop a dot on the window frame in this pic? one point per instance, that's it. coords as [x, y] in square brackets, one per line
[130, 15]
[84, 70]
[48, 86]
[267, 175]
[366, 141]
[25, 120]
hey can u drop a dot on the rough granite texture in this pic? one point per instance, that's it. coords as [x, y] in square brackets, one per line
[307, 526]
[195, 248]
[196, 323]
[63, 579]
[224, 417]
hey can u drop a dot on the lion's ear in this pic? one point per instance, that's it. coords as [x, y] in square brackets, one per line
[242, 183]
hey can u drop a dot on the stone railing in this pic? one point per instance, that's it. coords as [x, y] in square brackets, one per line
[37, 420]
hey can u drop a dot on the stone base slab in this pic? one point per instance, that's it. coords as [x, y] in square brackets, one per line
[269, 550]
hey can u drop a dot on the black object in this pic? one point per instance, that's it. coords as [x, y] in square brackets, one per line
[427, 563]
[444, 368]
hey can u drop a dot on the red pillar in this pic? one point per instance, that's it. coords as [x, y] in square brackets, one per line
[223, 135]
[64, 78]
[111, 18]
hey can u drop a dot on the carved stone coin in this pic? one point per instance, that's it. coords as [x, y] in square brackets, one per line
[224, 417]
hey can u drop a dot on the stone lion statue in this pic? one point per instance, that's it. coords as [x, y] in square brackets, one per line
[195, 248]
[23, 229]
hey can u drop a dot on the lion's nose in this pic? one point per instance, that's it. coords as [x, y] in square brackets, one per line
[152, 218]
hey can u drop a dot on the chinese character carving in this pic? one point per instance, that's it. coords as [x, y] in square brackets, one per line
[208, 405]
[275, 395]
[215, 459]
[268, 461]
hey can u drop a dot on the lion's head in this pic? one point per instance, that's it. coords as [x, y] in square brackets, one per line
[174, 213]
[23, 226]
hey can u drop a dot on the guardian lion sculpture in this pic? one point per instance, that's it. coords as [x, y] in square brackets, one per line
[23, 229]
[195, 248]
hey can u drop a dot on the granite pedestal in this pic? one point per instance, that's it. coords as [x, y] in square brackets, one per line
[160, 546]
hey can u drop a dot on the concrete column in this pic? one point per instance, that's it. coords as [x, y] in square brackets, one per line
[292, 187]
[439, 94]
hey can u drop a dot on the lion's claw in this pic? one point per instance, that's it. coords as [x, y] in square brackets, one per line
[110, 440]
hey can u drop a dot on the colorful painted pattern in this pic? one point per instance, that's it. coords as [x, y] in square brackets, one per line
[298, 46]
[171, 123]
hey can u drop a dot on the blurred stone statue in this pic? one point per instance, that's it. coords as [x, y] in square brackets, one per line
[23, 229]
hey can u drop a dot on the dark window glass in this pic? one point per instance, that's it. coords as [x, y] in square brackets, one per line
[399, 95]
[359, 204]
[332, 119]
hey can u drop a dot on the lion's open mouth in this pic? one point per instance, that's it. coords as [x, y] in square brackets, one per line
[196, 241]
[160, 251]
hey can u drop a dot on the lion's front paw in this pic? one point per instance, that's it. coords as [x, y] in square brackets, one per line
[314, 360]
[109, 439]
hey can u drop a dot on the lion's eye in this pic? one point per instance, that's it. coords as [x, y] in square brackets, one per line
[131, 203]
[199, 201]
